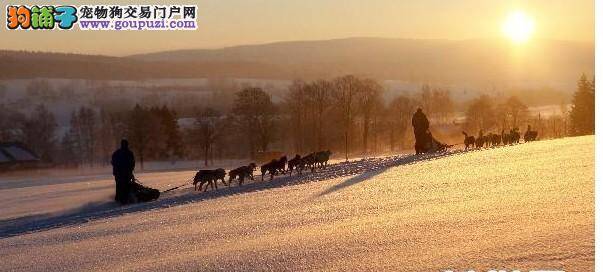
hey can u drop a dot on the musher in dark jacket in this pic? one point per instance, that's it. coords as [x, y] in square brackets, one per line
[421, 127]
[123, 167]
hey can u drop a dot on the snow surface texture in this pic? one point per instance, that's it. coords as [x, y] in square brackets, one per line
[528, 206]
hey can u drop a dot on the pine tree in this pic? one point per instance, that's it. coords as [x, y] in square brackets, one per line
[171, 131]
[87, 119]
[10, 119]
[516, 110]
[582, 114]
[107, 140]
[69, 155]
[72, 141]
[139, 132]
[156, 134]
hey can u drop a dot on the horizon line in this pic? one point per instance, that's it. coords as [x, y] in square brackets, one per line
[282, 42]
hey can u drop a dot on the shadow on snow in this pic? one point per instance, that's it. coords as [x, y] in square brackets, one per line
[361, 170]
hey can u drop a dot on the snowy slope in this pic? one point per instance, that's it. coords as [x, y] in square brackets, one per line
[528, 206]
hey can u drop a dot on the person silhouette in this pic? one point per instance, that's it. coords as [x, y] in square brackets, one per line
[421, 127]
[123, 163]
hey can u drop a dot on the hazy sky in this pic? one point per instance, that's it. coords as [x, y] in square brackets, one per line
[236, 22]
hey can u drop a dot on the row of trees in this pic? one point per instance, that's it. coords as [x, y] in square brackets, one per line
[93, 135]
[152, 131]
[484, 113]
[38, 130]
[346, 114]
[436, 101]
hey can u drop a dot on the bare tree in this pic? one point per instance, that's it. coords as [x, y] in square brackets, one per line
[445, 105]
[426, 99]
[140, 131]
[255, 113]
[400, 113]
[516, 110]
[206, 131]
[480, 114]
[107, 138]
[346, 89]
[436, 102]
[319, 98]
[80, 140]
[367, 100]
[295, 104]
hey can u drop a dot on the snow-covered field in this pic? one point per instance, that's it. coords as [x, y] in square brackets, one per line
[526, 207]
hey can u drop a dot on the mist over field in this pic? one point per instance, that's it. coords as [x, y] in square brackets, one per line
[477, 85]
[543, 75]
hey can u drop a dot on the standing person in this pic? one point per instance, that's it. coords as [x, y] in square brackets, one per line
[421, 127]
[123, 166]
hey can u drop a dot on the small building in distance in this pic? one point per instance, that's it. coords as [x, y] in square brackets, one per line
[16, 156]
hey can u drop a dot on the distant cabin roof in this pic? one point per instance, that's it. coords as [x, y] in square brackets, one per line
[16, 153]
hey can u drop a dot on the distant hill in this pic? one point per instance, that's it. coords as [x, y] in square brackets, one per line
[444, 61]
[23, 64]
[483, 62]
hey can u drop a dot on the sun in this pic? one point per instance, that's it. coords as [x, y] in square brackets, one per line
[518, 27]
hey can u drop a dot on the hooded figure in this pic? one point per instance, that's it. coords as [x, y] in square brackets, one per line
[123, 166]
[421, 127]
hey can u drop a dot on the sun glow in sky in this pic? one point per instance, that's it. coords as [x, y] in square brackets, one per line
[518, 27]
[241, 22]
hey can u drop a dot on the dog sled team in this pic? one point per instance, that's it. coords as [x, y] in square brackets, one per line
[426, 143]
[494, 139]
[272, 168]
[128, 190]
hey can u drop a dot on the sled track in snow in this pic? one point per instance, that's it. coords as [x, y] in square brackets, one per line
[364, 168]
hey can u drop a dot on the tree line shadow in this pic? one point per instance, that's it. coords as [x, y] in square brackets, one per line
[408, 160]
[104, 210]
